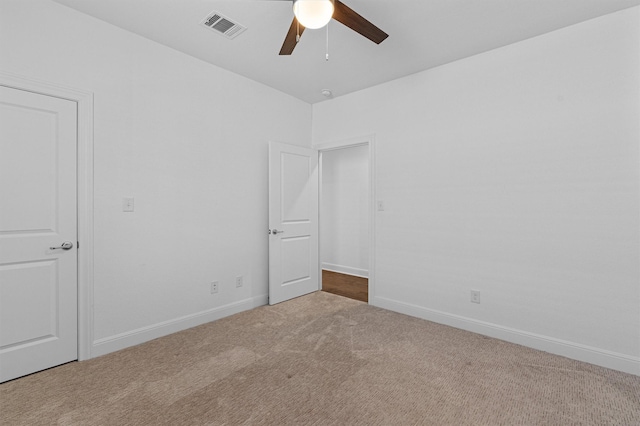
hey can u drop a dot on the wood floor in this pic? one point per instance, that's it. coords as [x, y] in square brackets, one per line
[345, 285]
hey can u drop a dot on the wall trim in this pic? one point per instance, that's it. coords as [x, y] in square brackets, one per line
[576, 351]
[84, 100]
[260, 300]
[144, 334]
[357, 272]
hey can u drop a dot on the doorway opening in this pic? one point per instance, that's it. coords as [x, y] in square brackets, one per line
[346, 219]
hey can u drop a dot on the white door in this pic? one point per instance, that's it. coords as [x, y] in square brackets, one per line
[293, 221]
[38, 281]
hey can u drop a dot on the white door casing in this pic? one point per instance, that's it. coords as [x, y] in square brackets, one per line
[293, 222]
[38, 210]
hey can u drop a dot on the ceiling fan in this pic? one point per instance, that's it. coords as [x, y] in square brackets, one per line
[317, 13]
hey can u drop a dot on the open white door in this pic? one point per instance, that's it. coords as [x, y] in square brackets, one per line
[293, 221]
[38, 232]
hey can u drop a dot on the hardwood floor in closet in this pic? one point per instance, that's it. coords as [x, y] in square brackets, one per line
[346, 285]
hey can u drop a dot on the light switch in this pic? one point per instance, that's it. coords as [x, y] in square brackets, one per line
[127, 204]
[380, 206]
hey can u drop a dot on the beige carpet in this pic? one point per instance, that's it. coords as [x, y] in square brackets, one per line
[324, 360]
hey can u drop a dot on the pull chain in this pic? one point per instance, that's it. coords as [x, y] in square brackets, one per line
[327, 55]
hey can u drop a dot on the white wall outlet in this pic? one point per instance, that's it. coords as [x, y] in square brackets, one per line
[214, 287]
[475, 296]
[239, 281]
[127, 204]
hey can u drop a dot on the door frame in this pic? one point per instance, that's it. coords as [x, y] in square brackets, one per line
[369, 141]
[84, 196]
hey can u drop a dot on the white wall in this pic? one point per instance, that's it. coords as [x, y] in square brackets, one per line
[514, 172]
[189, 141]
[344, 227]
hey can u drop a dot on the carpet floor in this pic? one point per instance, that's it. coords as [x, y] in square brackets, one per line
[323, 359]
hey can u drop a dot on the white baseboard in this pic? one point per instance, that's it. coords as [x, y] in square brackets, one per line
[363, 273]
[144, 334]
[592, 355]
[260, 300]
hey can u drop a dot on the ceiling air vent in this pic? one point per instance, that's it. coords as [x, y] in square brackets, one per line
[223, 25]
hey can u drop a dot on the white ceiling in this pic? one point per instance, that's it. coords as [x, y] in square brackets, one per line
[422, 34]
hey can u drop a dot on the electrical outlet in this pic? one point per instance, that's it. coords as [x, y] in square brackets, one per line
[475, 296]
[214, 287]
[239, 281]
[127, 204]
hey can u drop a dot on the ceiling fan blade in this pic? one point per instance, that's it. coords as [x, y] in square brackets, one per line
[346, 16]
[290, 41]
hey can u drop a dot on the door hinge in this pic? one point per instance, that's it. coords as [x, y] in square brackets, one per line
[78, 245]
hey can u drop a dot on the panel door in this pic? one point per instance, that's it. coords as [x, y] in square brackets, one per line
[293, 221]
[38, 280]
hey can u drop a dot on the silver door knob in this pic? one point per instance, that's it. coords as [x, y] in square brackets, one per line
[67, 245]
[276, 232]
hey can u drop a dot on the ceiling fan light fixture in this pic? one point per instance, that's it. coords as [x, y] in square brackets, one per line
[313, 14]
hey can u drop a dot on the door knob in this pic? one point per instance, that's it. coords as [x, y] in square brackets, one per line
[276, 232]
[67, 245]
